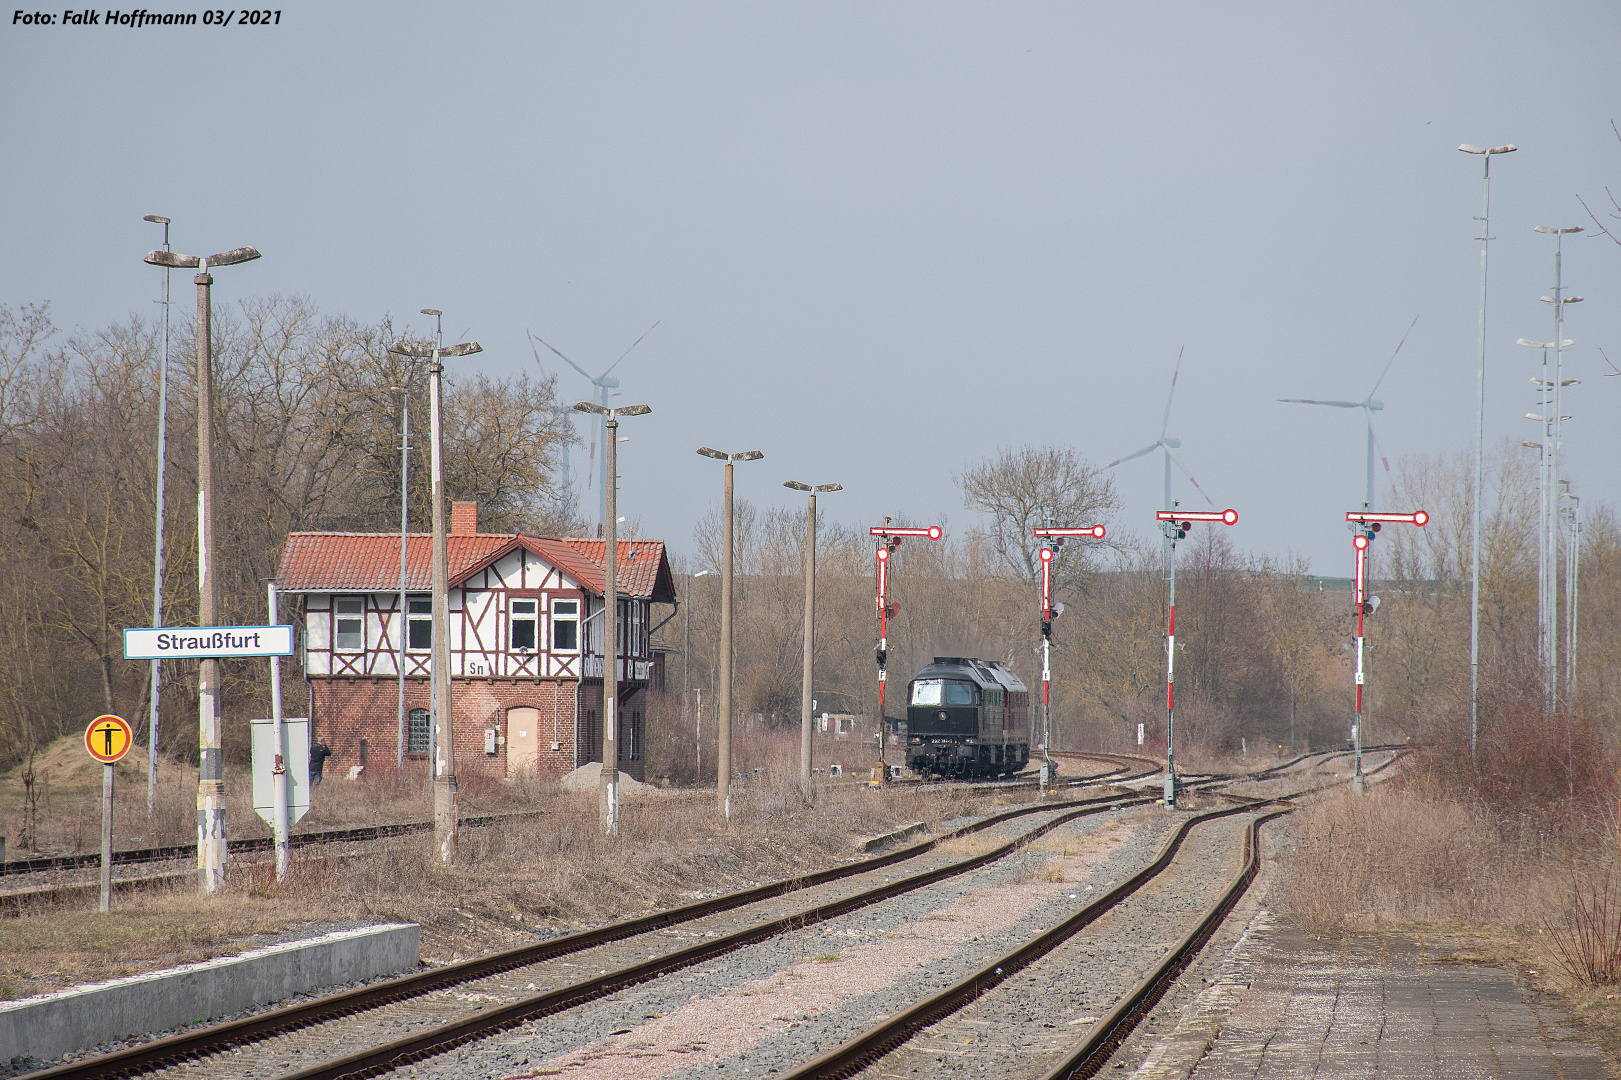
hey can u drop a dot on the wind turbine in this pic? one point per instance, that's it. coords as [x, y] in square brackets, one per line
[1168, 444]
[1369, 405]
[603, 383]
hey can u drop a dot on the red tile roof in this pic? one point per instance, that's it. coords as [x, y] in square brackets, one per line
[370, 562]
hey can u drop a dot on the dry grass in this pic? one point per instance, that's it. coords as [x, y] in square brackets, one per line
[527, 878]
[1404, 854]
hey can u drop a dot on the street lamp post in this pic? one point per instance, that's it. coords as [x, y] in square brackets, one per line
[608, 784]
[1049, 612]
[1365, 525]
[211, 845]
[723, 755]
[405, 519]
[1175, 525]
[805, 705]
[686, 639]
[1480, 439]
[157, 531]
[889, 539]
[442, 719]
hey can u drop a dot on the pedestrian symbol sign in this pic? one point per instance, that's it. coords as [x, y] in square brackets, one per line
[108, 738]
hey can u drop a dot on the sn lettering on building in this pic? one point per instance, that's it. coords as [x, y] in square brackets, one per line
[526, 649]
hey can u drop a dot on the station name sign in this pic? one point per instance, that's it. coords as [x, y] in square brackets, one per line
[201, 642]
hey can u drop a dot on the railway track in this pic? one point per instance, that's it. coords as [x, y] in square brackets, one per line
[228, 1036]
[87, 888]
[649, 949]
[427, 1015]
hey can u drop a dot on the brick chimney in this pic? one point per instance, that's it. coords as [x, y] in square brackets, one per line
[464, 519]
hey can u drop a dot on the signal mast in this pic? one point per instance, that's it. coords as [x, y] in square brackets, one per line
[1365, 524]
[1049, 612]
[890, 538]
[1175, 526]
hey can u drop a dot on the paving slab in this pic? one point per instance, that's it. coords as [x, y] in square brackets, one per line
[1385, 1006]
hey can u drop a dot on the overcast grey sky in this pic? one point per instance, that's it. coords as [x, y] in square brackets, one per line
[883, 238]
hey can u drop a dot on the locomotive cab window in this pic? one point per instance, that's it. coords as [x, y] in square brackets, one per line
[942, 692]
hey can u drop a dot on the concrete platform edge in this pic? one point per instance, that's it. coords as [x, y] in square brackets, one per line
[50, 1025]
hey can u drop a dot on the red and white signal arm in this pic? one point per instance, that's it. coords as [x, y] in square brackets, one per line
[1226, 517]
[1417, 517]
[1096, 532]
[1359, 542]
[1046, 554]
[933, 532]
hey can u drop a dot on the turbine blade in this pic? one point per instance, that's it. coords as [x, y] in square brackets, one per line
[565, 359]
[1314, 401]
[1165, 424]
[1174, 456]
[633, 344]
[1131, 457]
[1393, 355]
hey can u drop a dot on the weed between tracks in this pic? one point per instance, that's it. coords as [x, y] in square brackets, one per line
[524, 880]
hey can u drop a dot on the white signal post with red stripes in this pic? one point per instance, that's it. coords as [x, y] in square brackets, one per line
[1048, 614]
[1366, 524]
[1175, 525]
[891, 537]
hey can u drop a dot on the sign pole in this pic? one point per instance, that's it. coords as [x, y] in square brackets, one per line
[1366, 525]
[107, 837]
[108, 739]
[1175, 525]
[890, 540]
[278, 773]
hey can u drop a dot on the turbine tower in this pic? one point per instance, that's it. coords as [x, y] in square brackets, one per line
[1167, 444]
[1369, 405]
[604, 383]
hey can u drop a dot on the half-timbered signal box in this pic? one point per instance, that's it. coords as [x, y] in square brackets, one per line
[526, 649]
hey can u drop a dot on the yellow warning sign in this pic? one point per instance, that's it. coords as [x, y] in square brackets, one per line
[108, 738]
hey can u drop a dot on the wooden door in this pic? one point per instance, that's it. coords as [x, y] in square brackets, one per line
[522, 741]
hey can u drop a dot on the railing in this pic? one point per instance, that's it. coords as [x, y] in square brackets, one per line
[629, 670]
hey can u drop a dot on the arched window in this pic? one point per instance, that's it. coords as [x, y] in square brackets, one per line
[416, 731]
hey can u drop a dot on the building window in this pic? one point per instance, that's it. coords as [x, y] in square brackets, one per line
[421, 616]
[416, 731]
[565, 626]
[351, 621]
[523, 624]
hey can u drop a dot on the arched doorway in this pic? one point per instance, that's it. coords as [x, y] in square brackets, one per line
[522, 741]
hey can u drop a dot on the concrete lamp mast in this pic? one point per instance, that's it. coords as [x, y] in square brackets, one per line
[1175, 525]
[805, 703]
[445, 809]
[1365, 525]
[723, 756]
[211, 845]
[1049, 612]
[608, 784]
[157, 532]
[889, 540]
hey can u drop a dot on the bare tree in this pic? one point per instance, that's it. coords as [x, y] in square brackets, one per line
[1034, 486]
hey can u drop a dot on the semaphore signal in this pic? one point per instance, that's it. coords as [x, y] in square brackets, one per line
[1049, 612]
[1365, 524]
[1175, 525]
[891, 535]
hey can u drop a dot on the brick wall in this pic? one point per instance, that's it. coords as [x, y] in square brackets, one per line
[347, 711]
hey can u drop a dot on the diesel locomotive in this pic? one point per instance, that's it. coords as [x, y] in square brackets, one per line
[967, 717]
